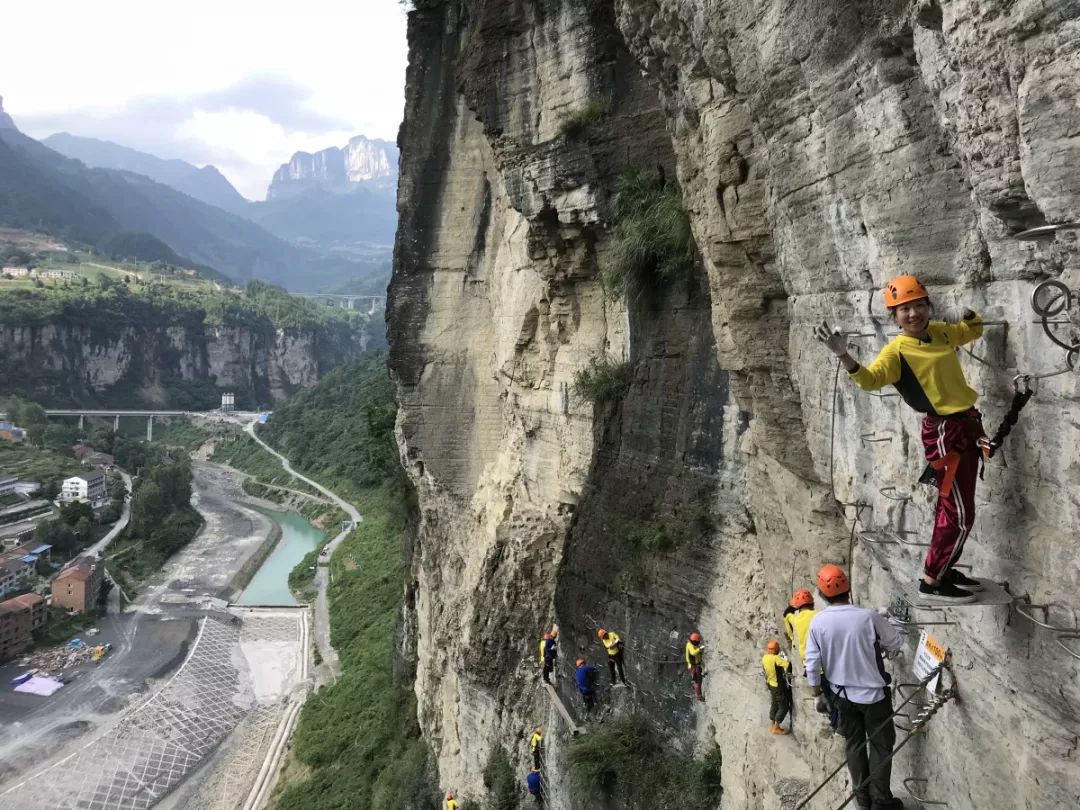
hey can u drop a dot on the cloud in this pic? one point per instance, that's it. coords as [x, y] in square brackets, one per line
[245, 129]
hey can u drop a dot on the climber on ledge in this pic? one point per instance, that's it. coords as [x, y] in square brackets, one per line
[845, 643]
[774, 666]
[585, 675]
[695, 648]
[613, 644]
[921, 363]
[535, 785]
[451, 802]
[536, 745]
[797, 620]
[549, 651]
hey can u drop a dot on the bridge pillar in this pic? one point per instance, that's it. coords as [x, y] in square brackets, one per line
[150, 429]
[116, 424]
[82, 417]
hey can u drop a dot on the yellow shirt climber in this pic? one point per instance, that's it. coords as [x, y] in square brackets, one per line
[693, 654]
[771, 663]
[797, 625]
[927, 373]
[611, 641]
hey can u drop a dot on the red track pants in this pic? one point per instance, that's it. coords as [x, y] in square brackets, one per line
[956, 509]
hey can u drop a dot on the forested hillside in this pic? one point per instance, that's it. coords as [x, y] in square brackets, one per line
[357, 746]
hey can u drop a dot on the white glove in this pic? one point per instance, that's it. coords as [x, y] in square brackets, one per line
[835, 341]
[954, 314]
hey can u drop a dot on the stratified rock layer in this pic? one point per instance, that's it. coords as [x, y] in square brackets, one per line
[820, 150]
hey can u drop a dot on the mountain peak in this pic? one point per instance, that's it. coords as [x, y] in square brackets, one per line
[362, 162]
[5, 119]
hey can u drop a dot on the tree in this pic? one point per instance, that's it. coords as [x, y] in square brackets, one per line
[83, 528]
[50, 489]
[74, 511]
[118, 491]
[103, 439]
[42, 567]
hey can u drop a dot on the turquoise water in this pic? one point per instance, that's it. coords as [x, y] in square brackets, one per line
[270, 585]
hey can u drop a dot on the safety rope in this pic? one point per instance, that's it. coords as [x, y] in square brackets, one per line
[1019, 400]
[923, 683]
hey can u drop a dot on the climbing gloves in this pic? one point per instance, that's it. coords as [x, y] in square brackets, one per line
[833, 339]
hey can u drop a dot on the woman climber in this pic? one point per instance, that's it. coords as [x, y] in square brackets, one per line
[921, 363]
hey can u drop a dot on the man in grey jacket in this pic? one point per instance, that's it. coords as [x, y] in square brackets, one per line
[845, 642]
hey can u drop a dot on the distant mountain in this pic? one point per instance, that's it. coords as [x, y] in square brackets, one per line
[363, 163]
[206, 184]
[5, 119]
[43, 190]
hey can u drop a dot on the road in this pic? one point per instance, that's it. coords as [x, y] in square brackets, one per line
[99, 547]
[322, 574]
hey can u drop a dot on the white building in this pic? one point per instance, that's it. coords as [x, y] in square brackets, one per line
[7, 484]
[17, 272]
[89, 486]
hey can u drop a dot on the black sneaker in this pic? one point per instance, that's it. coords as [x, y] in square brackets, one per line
[944, 593]
[892, 803]
[954, 577]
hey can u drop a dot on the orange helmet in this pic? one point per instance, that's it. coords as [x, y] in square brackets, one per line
[539, 729]
[695, 637]
[554, 633]
[601, 632]
[832, 581]
[903, 289]
[579, 662]
[802, 598]
[773, 646]
[449, 795]
[548, 636]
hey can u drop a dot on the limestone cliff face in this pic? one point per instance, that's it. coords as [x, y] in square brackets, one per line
[363, 161]
[820, 149]
[178, 366]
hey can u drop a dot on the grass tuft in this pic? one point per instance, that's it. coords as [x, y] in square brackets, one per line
[577, 124]
[653, 244]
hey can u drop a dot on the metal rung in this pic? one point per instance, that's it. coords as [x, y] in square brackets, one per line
[1024, 610]
[886, 490]
[921, 800]
[859, 334]
[1062, 638]
[880, 395]
[887, 538]
[900, 534]
[913, 623]
[873, 438]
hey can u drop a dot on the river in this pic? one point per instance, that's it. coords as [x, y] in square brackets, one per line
[270, 585]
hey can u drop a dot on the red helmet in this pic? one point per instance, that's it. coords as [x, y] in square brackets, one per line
[832, 581]
[601, 632]
[773, 646]
[695, 637]
[579, 662]
[547, 636]
[802, 598]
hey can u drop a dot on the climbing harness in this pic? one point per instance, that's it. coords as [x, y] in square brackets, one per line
[921, 719]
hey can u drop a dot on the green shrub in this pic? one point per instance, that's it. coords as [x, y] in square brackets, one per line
[577, 123]
[502, 787]
[603, 380]
[624, 759]
[653, 243]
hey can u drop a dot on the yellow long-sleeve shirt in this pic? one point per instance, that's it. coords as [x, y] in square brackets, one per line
[797, 626]
[611, 641]
[535, 740]
[927, 373]
[693, 654]
[772, 664]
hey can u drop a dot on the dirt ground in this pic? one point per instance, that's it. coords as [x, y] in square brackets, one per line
[150, 639]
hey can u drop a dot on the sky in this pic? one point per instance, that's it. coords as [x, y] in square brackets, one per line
[236, 83]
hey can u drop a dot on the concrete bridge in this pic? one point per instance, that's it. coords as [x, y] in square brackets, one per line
[363, 303]
[115, 414]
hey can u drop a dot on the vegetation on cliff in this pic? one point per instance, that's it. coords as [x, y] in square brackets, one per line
[622, 759]
[357, 745]
[652, 245]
